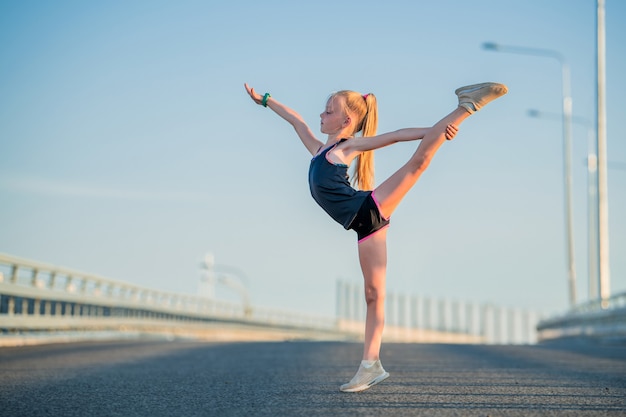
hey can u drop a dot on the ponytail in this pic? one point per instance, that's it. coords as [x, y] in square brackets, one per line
[365, 109]
[364, 168]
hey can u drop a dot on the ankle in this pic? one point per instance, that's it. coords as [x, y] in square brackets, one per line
[463, 111]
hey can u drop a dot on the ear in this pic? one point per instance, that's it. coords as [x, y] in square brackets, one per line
[347, 121]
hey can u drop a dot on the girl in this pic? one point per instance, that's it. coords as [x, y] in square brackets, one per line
[367, 212]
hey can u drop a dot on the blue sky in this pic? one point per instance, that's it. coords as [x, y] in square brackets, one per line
[129, 149]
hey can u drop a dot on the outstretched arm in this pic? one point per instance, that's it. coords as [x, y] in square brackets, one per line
[403, 135]
[294, 119]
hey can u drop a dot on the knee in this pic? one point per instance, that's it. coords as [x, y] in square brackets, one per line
[374, 295]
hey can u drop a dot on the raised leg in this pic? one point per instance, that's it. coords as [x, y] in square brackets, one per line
[392, 191]
[471, 99]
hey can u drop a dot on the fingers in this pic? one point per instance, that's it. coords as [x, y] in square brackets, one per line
[254, 96]
[451, 131]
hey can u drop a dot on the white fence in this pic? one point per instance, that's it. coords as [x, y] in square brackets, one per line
[442, 318]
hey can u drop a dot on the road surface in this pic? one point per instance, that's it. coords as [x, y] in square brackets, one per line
[184, 378]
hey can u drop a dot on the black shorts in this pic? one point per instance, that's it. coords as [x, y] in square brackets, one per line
[368, 219]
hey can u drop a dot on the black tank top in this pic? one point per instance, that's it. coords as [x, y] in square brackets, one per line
[331, 189]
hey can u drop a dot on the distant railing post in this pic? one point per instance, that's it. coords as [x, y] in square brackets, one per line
[488, 323]
[416, 314]
[14, 273]
[11, 306]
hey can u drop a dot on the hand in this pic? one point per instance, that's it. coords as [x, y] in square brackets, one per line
[257, 98]
[451, 131]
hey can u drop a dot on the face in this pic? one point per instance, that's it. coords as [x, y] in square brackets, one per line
[333, 118]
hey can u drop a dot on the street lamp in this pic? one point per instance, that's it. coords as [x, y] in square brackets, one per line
[234, 280]
[567, 148]
[592, 198]
[603, 202]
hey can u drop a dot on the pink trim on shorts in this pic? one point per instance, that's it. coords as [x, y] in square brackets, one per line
[378, 205]
[372, 234]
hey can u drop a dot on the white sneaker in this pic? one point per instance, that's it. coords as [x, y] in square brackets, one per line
[476, 96]
[366, 377]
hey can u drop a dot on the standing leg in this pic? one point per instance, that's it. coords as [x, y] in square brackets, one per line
[373, 258]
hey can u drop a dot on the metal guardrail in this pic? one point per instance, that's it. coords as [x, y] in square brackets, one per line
[599, 319]
[41, 296]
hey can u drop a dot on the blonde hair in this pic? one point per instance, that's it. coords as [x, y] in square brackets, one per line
[365, 110]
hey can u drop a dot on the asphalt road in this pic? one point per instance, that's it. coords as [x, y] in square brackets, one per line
[181, 378]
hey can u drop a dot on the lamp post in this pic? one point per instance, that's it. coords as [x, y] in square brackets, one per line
[592, 199]
[567, 148]
[603, 202]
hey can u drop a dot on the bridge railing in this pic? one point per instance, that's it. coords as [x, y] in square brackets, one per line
[36, 295]
[602, 319]
[41, 296]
